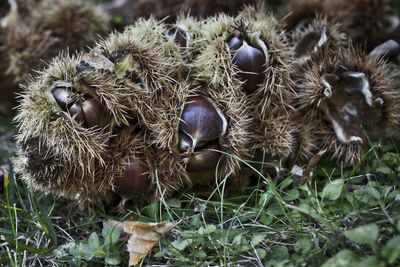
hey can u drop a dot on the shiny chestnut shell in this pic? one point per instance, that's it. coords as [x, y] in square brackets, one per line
[180, 36]
[310, 42]
[84, 109]
[251, 63]
[134, 180]
[205, 157]
[62, 97]
[202, 121]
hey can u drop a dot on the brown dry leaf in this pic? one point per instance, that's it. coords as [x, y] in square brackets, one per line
[118, 225]
[143, 238]
[98, 61]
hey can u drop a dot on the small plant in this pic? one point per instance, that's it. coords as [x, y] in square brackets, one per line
[96, 249]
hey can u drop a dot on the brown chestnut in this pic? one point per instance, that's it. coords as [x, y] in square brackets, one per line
[62, 97]
[83, 108]
[202, 121]
[350, 106]
[202, 125]
[180, 35]
[311, 42]
[389, 49]
[77, 113]
[184, 142]
[93, 112]
[88, 112]
[205, 158]
[250, 61]
[134, 179]
[392, 23]
[5, 8]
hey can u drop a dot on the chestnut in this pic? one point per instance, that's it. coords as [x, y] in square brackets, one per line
[250, 61]
[180, 35]
[5, 8]
[350, 106]
[204, 158]
[93, 112]
[199, 131]
[62, 97]
[389, 49]
[82, 107]
[392, 23]
[202, 121]
[77, 113]
[184, 142]
[310, 42]
[133, 181]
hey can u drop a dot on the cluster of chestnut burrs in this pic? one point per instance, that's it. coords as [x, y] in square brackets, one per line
[34, 31]
[159, 107]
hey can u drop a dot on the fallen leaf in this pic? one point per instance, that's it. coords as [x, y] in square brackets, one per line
[297, 171]
[98, 61]
[144, 236]
[118, 225]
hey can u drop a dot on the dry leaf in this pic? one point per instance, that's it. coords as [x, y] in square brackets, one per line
[297, 171]
[143, 238]
[118, 225]
[98, 61]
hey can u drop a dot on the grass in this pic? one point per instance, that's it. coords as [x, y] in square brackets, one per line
[342, 216]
